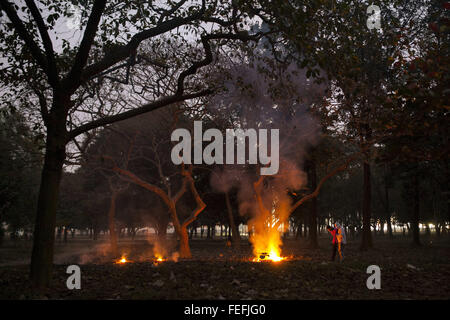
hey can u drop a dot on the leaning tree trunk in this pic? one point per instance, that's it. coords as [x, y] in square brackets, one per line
[313, 217]
[44, 229]
[366, 234]
[181, 231]
[185, 250]
[112, 225]
[236, 238]
[416, 212]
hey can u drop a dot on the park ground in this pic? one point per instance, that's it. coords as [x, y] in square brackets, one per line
[219, 272]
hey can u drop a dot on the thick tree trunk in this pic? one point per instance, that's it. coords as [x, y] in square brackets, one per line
[416, 212]
[181, 231]
[44, 229]
[185, 250]
[236, 238]
[112, 225]
[313, 217]
[366, 208]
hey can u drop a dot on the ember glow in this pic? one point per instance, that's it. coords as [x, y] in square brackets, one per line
[272, 256]
[122, 260]
[160, 259]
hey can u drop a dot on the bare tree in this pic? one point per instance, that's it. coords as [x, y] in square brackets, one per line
[110, 37]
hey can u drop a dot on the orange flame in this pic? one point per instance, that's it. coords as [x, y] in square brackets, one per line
[159, 258]
[272, 256]
[266, 239]
[122, 260]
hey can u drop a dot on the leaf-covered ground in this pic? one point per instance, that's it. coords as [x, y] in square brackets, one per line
[218, 272]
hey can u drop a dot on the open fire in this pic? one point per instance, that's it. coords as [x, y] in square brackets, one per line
[266, 239]
[159, 258]
[272, 256]
[122, 260]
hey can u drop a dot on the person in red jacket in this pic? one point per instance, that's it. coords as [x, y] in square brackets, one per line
[333, 232]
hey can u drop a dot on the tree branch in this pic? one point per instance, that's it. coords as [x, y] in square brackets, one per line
[47, 42]
[316, 192]
[135, 179]
[120, 53]
[200, 204]
[73, 78]
[27, 38]
[134, 112]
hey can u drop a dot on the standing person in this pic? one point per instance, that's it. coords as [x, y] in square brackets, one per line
[341, 239]
[333, 232]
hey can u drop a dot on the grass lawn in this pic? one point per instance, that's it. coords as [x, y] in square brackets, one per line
[218, 272]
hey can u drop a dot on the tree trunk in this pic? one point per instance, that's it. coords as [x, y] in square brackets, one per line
[366, 233]
[427, 230]
[44, 229]
[388, 212]
[185, 250]
[236, 238]
[162, 230]
[208, 235]
[382, 228]
[95, 232]
[58, 233]
[112, 225]
[305, 229]
[416, 212]
[2, 234]
[313, 217]
[181, 231]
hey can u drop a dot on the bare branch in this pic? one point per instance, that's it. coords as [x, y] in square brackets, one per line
[72, 81]
[48, 46]
[120, 53]
[134, 112]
